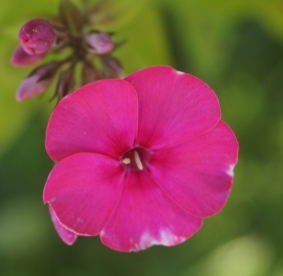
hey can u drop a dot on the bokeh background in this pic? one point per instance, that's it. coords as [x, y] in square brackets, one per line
[236, 47]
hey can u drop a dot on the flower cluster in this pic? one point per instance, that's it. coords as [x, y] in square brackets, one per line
[141, 161]
[82, 48]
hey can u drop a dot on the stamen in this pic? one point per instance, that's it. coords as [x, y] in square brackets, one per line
[126, 161]
[138, 160]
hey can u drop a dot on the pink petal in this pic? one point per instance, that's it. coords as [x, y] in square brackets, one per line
[83, 190]
[100, 117]
[173, 106]
[67, 236]
[198, 174]
[145, 216]
[21, 58]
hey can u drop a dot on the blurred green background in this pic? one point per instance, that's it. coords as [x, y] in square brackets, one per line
[236, 47]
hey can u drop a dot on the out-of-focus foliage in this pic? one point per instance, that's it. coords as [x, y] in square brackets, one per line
[235, 46]
[114, 14]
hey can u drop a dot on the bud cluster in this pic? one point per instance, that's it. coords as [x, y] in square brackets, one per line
[90, 53]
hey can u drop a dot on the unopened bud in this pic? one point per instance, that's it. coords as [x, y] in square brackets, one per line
[65, 85]
[36, 36]
[37, 81]
[99, 43]
[112, 66]
[89, 74]
[22, 58]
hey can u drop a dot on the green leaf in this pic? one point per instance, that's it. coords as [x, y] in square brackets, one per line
[71, 17]
[146, 42]
[113, 14]
[206, 29]
[18, 12]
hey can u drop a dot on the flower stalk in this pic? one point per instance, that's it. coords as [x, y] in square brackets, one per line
[91, 51]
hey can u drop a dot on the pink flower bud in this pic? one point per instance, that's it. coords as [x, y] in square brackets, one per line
[36, 82]
[99, 43]
[36, 36]
[22, 58]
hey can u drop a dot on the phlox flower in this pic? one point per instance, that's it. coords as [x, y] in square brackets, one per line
[141, 161]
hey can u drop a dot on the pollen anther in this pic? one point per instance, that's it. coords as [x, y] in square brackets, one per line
[126, 161]
[138, 160]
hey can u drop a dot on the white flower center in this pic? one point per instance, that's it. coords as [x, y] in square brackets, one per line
[126, 161]
[136, 159]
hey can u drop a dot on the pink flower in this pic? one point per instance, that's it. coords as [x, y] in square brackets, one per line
[36, 36]
[142, 161]
[22, 58]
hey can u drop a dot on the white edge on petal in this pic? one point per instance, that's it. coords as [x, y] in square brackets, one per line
[65, 226]
[166, 238]
[55, 221]
[180, 73]
[230, 171]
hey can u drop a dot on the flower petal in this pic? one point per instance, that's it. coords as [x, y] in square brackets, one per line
[145, 216]
[83, 190]
[100, 117]
[174, 106]
[198, 174]
[67, 236]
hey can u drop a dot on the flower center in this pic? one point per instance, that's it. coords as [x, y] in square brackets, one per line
[136, 159]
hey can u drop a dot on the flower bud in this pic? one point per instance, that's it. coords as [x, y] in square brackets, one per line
[99, 43]
[90, 74]
[37, 81]
[65, 85]
[112, 66]
[22, 58]
[36, 36]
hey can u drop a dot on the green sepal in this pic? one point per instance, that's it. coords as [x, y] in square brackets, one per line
[71, 17]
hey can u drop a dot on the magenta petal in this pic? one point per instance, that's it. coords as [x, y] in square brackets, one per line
[67, 236]
[145, 216]
[174, 106]
[198, 174]
[83, 190]
[100, 117]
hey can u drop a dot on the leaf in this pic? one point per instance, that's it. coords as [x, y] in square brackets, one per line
[206, 29]
[71, 17]
[146, 42]
[12, 12]
[113, 14]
